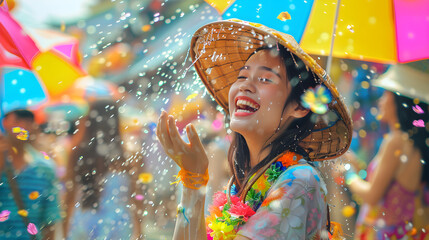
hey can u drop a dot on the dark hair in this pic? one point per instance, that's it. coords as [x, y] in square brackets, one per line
[301, 79]
[100, 147]
[22, 114]
[419, 135]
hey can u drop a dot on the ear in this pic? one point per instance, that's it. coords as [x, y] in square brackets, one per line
[297, 111]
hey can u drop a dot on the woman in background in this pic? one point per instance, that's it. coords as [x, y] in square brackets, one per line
[399, 172]
[99, 180]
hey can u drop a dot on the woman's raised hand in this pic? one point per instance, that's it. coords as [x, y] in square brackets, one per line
[189, 156]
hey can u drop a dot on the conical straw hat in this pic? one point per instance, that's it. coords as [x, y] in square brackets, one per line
[220, 49]
[405, 80]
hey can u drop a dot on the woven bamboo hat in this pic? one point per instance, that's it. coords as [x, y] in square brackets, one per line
[220, 49]
[406, 80]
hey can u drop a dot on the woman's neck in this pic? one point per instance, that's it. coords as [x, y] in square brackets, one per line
[257, 151]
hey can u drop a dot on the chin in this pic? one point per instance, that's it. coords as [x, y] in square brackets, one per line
[242, 127]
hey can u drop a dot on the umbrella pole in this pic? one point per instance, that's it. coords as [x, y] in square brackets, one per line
[329, 61]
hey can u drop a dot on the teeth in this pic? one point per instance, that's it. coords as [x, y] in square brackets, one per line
[243, 110]
[241, 102]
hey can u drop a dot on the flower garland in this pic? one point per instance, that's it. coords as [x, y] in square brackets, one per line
[226, 217]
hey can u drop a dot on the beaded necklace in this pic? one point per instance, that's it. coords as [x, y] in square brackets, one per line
[227, 216]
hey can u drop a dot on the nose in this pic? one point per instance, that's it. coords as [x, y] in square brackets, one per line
[247, 86]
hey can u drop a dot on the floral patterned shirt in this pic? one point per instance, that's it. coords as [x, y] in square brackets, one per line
[294, 208]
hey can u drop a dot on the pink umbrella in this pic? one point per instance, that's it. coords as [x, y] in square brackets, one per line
[16, 46]
[63, 44]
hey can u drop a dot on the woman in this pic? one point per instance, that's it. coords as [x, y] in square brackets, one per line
[99, 180]
[258, 75]
[397, 171]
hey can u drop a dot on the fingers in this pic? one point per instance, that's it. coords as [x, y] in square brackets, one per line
[163, 134]
[177, 141]
[194, 140]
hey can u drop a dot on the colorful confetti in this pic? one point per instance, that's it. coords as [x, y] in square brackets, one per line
[317, 99]
[23, 212]
[146, 28]
[139, 197]
[33, 195]
[339, 180]
[32, 229]
[22, 134]
[145, 177]
[193, 95]
[419, 123]
[348, 211]
[45, 155]
[418, 109]
[217, 125]
[63, 26]
[4, 215]
[283, 16]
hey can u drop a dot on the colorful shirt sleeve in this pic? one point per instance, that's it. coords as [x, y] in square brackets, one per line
[295, 207]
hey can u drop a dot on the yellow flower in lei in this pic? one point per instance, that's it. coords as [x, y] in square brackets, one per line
[226, 216]
[222, 231]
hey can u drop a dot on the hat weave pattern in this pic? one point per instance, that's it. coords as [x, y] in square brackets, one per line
[220, 49]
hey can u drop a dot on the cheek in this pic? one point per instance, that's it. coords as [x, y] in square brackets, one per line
[232, 92]
[275, 100]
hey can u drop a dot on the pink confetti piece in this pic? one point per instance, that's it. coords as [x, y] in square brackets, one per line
[32, 229]
[4, 215]
[139, 197]
[418, 109]
[217, 125]
[45, 155]
[419, 123]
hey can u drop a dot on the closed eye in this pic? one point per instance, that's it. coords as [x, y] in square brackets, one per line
[266, 80]
[242, 77]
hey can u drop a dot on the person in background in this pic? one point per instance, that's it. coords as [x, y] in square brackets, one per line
[102, 200]
[29, 206]
[399, 173]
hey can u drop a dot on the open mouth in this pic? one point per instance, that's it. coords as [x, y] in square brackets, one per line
[246, 105]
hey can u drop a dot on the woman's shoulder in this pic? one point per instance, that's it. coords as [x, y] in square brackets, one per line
[301, 176]
[302, 172]
[395, 140]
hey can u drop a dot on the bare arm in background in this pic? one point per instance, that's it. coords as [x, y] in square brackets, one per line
[372, 191]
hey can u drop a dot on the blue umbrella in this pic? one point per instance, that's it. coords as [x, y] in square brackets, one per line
[19, 89]
[265, 12]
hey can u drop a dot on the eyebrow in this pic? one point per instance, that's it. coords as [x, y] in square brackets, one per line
[263, 68]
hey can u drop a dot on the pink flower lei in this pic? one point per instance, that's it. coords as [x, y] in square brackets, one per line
[225, 217]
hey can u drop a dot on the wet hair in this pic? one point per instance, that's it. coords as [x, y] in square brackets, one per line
[418, 135]
[301, 79]
[100, 147]
[22, 115]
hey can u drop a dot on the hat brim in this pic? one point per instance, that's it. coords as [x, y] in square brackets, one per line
[406, 81]
[220, 49]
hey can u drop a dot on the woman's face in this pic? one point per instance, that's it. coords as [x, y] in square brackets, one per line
[387, 107]
[257, 98]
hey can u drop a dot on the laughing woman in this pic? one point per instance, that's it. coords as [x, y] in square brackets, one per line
[285, 113]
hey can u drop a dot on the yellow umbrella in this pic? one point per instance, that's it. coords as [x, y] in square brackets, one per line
[385, 31]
